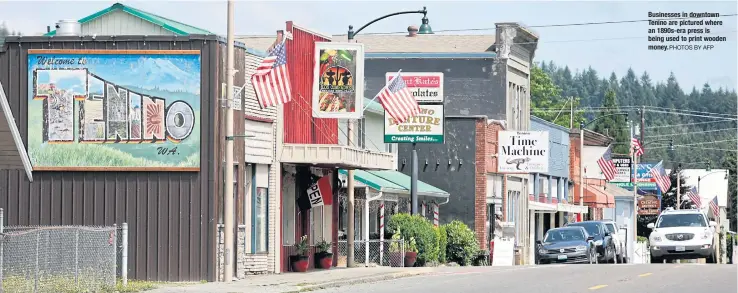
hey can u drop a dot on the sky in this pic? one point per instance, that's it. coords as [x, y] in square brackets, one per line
[605, 47]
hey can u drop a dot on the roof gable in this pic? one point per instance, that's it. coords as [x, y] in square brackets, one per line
[176, 27]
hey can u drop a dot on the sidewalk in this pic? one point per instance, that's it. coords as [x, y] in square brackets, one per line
[296, 282]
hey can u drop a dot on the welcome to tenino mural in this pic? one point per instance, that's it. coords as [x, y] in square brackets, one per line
[103, 110]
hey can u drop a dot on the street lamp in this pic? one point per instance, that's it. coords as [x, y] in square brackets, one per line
[582, 125]
[424, 30]
[699, 178]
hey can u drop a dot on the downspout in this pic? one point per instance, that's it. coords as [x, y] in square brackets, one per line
[366, 224]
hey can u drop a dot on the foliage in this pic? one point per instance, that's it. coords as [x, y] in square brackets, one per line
[442, 243]
[545, 95]
[661, 99]
[462, 246]
[412, 246]
[70, 284]
[302, 246]
[642, 239]
[395, 244]
[614, 126]
[323, 246]
[420, 229]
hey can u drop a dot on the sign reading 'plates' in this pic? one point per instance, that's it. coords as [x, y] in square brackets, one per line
[522, 152]
[427, 87]
[622, 165]
[426, 127]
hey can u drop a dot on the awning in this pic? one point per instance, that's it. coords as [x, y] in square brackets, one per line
[394, 182]
[597, 197]
[618, 192]
[332, 156]
[12, 151]
[541, 206]
[570, 208]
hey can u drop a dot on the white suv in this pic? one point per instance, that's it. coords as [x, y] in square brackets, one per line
[681, 234]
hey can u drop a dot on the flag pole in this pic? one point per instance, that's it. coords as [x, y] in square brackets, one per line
[229, 223]
[634, 164]
[375, 97]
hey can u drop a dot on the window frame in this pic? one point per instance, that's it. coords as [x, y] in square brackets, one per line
[254, 193]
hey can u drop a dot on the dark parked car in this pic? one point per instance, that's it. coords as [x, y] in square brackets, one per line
[601, 237]
[566, 245]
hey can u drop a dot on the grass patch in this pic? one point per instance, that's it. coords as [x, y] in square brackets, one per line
[81, 155]
[58, 284]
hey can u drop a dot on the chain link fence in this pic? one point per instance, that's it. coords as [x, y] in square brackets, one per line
[380, 252]
[61, 258]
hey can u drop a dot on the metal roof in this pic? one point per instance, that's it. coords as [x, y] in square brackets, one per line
[174, 26]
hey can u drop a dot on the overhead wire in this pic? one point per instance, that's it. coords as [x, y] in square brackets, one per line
[560, 25]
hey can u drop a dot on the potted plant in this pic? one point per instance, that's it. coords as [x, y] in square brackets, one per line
[299, 262]
[396, 256]
[323, 257]
[411, 253]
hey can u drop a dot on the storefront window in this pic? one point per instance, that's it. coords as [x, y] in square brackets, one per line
[260, 219]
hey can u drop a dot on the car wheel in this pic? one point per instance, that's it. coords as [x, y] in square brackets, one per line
[656, 259]
[711, 258]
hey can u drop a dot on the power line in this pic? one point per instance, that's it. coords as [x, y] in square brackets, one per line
[694, 132]
[660, 146]
[688, 114]
[687, 124]
[558, 25]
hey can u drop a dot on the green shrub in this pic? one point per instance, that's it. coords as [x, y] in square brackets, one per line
[420, 229]
[442, 243]
[642, 239]
[462, 246]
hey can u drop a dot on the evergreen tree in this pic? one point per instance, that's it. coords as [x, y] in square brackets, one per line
[615, 126]
[729, 163]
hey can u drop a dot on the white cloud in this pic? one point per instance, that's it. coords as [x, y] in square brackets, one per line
[57, 75]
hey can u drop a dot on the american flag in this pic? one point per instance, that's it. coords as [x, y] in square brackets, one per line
[662, 179]
[694, 197]
[715, 208]
[397, 100]
[272, 80]
[635, 146]
[607, 166]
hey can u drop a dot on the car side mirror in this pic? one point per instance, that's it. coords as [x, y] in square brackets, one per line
[590, 238]
[713, 224]
[650, 226]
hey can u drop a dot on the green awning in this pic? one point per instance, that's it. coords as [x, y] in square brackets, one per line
[394, 182]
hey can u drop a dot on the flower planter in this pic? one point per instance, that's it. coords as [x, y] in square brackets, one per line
[396, 259]
[410, 258]
[323, 260]
[299, 263]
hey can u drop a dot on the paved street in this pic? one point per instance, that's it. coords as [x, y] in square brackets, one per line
[651, 278]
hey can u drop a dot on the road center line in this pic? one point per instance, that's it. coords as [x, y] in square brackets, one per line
[597, 287]
[645, 275]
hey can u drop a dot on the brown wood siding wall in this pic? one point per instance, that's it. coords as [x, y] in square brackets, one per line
[171, 215]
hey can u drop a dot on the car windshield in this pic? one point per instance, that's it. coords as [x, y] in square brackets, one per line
[558, 235]
[592, 228]
[681, 220]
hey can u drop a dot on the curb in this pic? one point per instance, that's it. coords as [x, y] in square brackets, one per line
[364, 280]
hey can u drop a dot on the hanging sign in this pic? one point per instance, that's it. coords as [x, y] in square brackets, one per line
[426, 127]
[320, 193]
[649, 205]
[427, 87]
[623, 166]
[522, 152]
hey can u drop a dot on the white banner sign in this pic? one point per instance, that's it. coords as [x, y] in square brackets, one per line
[427, 127]
[623, 165]
[522, 152]
[427, 87]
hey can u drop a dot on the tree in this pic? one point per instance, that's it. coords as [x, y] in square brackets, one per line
[545, 96]
[614, 126]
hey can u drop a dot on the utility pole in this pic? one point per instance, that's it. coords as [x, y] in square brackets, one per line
[643, 127]
[581, 169]
[228, 225]
[571, 112]
[351, 198]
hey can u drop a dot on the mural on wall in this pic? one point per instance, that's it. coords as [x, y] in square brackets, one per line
[114, 110]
